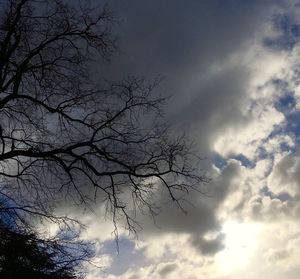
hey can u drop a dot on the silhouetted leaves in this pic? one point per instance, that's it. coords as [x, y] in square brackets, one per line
[23, 255]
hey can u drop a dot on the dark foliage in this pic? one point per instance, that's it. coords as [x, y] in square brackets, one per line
[24, 255]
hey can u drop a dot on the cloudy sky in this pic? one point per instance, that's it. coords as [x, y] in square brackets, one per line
[232, 69]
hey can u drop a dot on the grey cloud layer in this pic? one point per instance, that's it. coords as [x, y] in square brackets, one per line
[186, 41]
[199, 47]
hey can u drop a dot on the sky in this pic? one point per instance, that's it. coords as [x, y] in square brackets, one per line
[231, 68]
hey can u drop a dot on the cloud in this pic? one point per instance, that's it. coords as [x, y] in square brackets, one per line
[286, 175]
[167, 269]
[279, 255]
[208, 246]
[232, 70]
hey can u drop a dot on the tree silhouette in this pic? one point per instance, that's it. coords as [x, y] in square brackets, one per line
[24, 255]
[65, 133]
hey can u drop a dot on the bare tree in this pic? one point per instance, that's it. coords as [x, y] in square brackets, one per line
[64, 134]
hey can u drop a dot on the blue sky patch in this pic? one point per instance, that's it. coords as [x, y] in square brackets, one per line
[262, 153]
[244, 161]
[293, 125]
[284, 147]
[285, 103]
[289, 33]
[283, 196]
[219, 161]
[280, 83]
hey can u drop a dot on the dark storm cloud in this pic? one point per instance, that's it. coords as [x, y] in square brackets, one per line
[174, 36]
[183, 41]
[190, 43]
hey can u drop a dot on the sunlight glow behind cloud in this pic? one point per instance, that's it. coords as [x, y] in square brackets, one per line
[240, 246]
